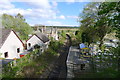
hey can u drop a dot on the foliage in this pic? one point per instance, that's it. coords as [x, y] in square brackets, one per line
[89, 35]
[55, 45]
[10, 71]
[87, 29]
[39, 65]
[36, 46]
[77, 37]
[110, 11]
[0, 55]
[98, 19]
[63, 34]
[18, 24]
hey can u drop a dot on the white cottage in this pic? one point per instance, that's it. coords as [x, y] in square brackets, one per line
[10, 44]
[38, 39]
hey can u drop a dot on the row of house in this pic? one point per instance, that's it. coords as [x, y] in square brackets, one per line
[11, 46]
[49, 31]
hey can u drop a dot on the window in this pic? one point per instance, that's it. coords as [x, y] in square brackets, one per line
[41, 50]
[6, 54]
[18, 50]
[29, 44]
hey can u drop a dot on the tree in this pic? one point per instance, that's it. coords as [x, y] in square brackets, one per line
[102, 29]
[8, 21]
[89, 35]
[111, 10]
[96, 26]
[89, 18]
[107, 11]
[18, 24]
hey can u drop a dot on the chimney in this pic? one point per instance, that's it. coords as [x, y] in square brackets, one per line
[51, 30]
[44, 28]
[56, 30]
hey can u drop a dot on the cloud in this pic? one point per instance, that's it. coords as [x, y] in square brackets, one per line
[54, 23]
[61, 17]
[54, 3]
[75, 17]
[43, 4]
[65, 0]
[5, 4]
[40, 10]
[37, 12]
[70, 0]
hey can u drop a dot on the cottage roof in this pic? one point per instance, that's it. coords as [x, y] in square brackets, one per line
[4, 33]
[42, 37]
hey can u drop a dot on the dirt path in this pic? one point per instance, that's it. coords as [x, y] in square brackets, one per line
[60, 69]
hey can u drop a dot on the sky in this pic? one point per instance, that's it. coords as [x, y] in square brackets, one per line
[45, 12]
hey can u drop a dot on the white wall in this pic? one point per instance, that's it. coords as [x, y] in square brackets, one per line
[33, 41]
[10, 45]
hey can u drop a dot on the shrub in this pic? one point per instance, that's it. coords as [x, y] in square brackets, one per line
[55, 45]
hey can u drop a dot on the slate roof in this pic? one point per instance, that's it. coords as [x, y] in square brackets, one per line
[4, 33]
[42, 37]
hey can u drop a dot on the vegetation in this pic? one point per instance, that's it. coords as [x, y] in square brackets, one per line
[99, 19]
[15, 68]
[55, 45]
[34, 63]
[112, 12]
[18, 24]
[62, 36]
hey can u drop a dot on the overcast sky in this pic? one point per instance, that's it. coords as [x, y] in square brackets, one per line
[45, 12]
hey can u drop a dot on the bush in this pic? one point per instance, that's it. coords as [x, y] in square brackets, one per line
[51, 51]
[55, 45]
[36, 46]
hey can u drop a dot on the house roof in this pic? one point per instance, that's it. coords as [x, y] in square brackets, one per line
[42, 37]
[4, 33]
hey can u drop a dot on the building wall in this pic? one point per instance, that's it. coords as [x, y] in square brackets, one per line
[10, 45]
[33, 41]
